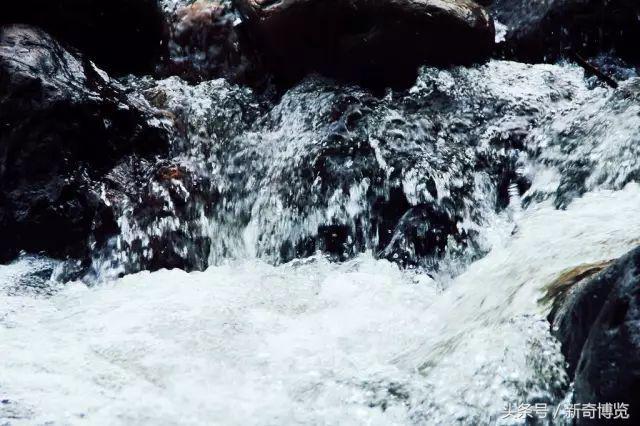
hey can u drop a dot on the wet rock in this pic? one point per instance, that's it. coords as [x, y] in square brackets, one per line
[165, 208]
[598, 325]
[577, 299]
[544, 30]
[63, 125]
[161, 209]
[375, 43]
[121, 36]
[178, 193]
[422, 233]
[205, 42]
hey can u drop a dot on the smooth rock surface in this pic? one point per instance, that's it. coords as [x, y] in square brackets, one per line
[376, 43]
[599, 328]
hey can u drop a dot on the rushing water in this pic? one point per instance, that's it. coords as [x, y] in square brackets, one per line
[320, 302]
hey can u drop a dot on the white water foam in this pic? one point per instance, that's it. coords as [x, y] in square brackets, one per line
[309, 342]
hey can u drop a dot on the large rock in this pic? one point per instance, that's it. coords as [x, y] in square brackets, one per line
[577, 301]
[598, 324]
[377, 43]
[63, 125]
[540, 30]
[121, 36]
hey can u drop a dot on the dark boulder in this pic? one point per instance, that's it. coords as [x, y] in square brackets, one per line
[121, 36]
[376, 43]
[598, 324]
[63, 125]
[578, 296]
[548, 29]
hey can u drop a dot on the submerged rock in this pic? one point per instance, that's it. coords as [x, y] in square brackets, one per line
[374, 43]
[63, 125]
[121, 36]
[544, 30]
[598, 324]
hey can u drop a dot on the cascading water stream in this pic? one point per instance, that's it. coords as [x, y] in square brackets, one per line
[319, 301]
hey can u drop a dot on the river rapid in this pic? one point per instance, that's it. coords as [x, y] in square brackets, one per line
[315, 299]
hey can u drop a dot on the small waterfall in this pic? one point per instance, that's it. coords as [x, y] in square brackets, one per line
[415, 177]
[355, 259]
